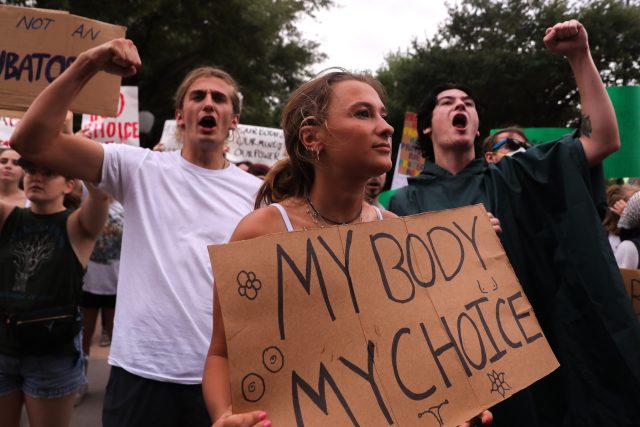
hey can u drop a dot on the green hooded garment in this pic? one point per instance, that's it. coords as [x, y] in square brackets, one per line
[546, 199]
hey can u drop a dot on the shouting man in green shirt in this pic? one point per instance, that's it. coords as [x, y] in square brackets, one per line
[546, 201]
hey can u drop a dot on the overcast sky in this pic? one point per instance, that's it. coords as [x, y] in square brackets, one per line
[357, 34]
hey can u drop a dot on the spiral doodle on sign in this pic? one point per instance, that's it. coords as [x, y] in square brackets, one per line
[253, 387]
[273, 359]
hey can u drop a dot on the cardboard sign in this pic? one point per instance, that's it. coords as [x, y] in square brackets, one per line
[256, 144]
[409, 161]
[38, 45]
[631, 280]
[121, 129]
[7, 126]
[410, 321]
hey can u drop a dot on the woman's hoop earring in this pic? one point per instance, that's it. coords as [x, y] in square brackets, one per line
[316, 152]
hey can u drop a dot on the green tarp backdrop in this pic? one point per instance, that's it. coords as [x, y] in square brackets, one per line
[626, 162]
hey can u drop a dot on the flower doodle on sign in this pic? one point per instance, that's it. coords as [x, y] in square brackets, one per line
[248, 284]
[498, 383]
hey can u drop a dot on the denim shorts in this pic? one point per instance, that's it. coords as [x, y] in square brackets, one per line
[46, 376]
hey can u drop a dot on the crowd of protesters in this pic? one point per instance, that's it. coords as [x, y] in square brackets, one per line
[141, 233]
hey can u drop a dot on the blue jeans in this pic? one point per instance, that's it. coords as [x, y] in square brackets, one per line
[44, 376]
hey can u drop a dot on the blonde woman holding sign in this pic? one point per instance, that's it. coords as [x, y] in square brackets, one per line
[337, 137]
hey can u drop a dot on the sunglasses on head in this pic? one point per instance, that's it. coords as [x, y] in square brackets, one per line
[5, 160]
[511, 144]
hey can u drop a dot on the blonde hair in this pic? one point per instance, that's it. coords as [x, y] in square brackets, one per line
[293, 176]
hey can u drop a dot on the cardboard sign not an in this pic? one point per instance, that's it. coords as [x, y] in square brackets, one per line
[409, 321]
[39, 44]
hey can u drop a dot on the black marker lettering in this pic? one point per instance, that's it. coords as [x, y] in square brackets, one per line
[383, 275]
[483, 354]
[319, 398]
[498, 353]
[472, 239]
[305, 280]
[517, 316]
[344, 267]
[447, 277]
[430, 282]
[436, 352]
[394, 361]
[502, 332]
[370, 378]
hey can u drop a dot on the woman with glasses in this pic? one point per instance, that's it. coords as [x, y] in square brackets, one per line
[10, 176]
[505, 142]
[44, 251]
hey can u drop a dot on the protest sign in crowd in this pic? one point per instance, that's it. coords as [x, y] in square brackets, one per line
[486, 292]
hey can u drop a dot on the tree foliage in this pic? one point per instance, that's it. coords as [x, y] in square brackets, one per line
[495, 47]
[256, 41]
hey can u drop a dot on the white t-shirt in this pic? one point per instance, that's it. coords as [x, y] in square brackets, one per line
[173, 210]
[627, 255]
[101, 277]
[614, 241]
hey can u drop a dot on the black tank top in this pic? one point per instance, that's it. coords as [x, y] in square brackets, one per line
[38, 267]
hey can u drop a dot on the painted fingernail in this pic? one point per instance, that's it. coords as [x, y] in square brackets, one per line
[267, 424]
[262, 415]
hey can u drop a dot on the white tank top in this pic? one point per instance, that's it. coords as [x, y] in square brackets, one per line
[287, 221]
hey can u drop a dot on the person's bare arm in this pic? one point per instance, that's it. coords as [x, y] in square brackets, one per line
[216, 381]
[39, 136]
[599, 127]
[87, 222]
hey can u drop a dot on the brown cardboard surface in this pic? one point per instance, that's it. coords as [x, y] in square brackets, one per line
[410, 321]
[631, 280]
[38, 44]
[12, 114]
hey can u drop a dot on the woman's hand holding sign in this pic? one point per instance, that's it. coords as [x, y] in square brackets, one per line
[249, 419]
[259, 419]
[484, 419]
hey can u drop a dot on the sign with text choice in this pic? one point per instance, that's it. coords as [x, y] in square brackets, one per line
[121, 129]
[416, 321]
[38, 45]
[7, 127]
